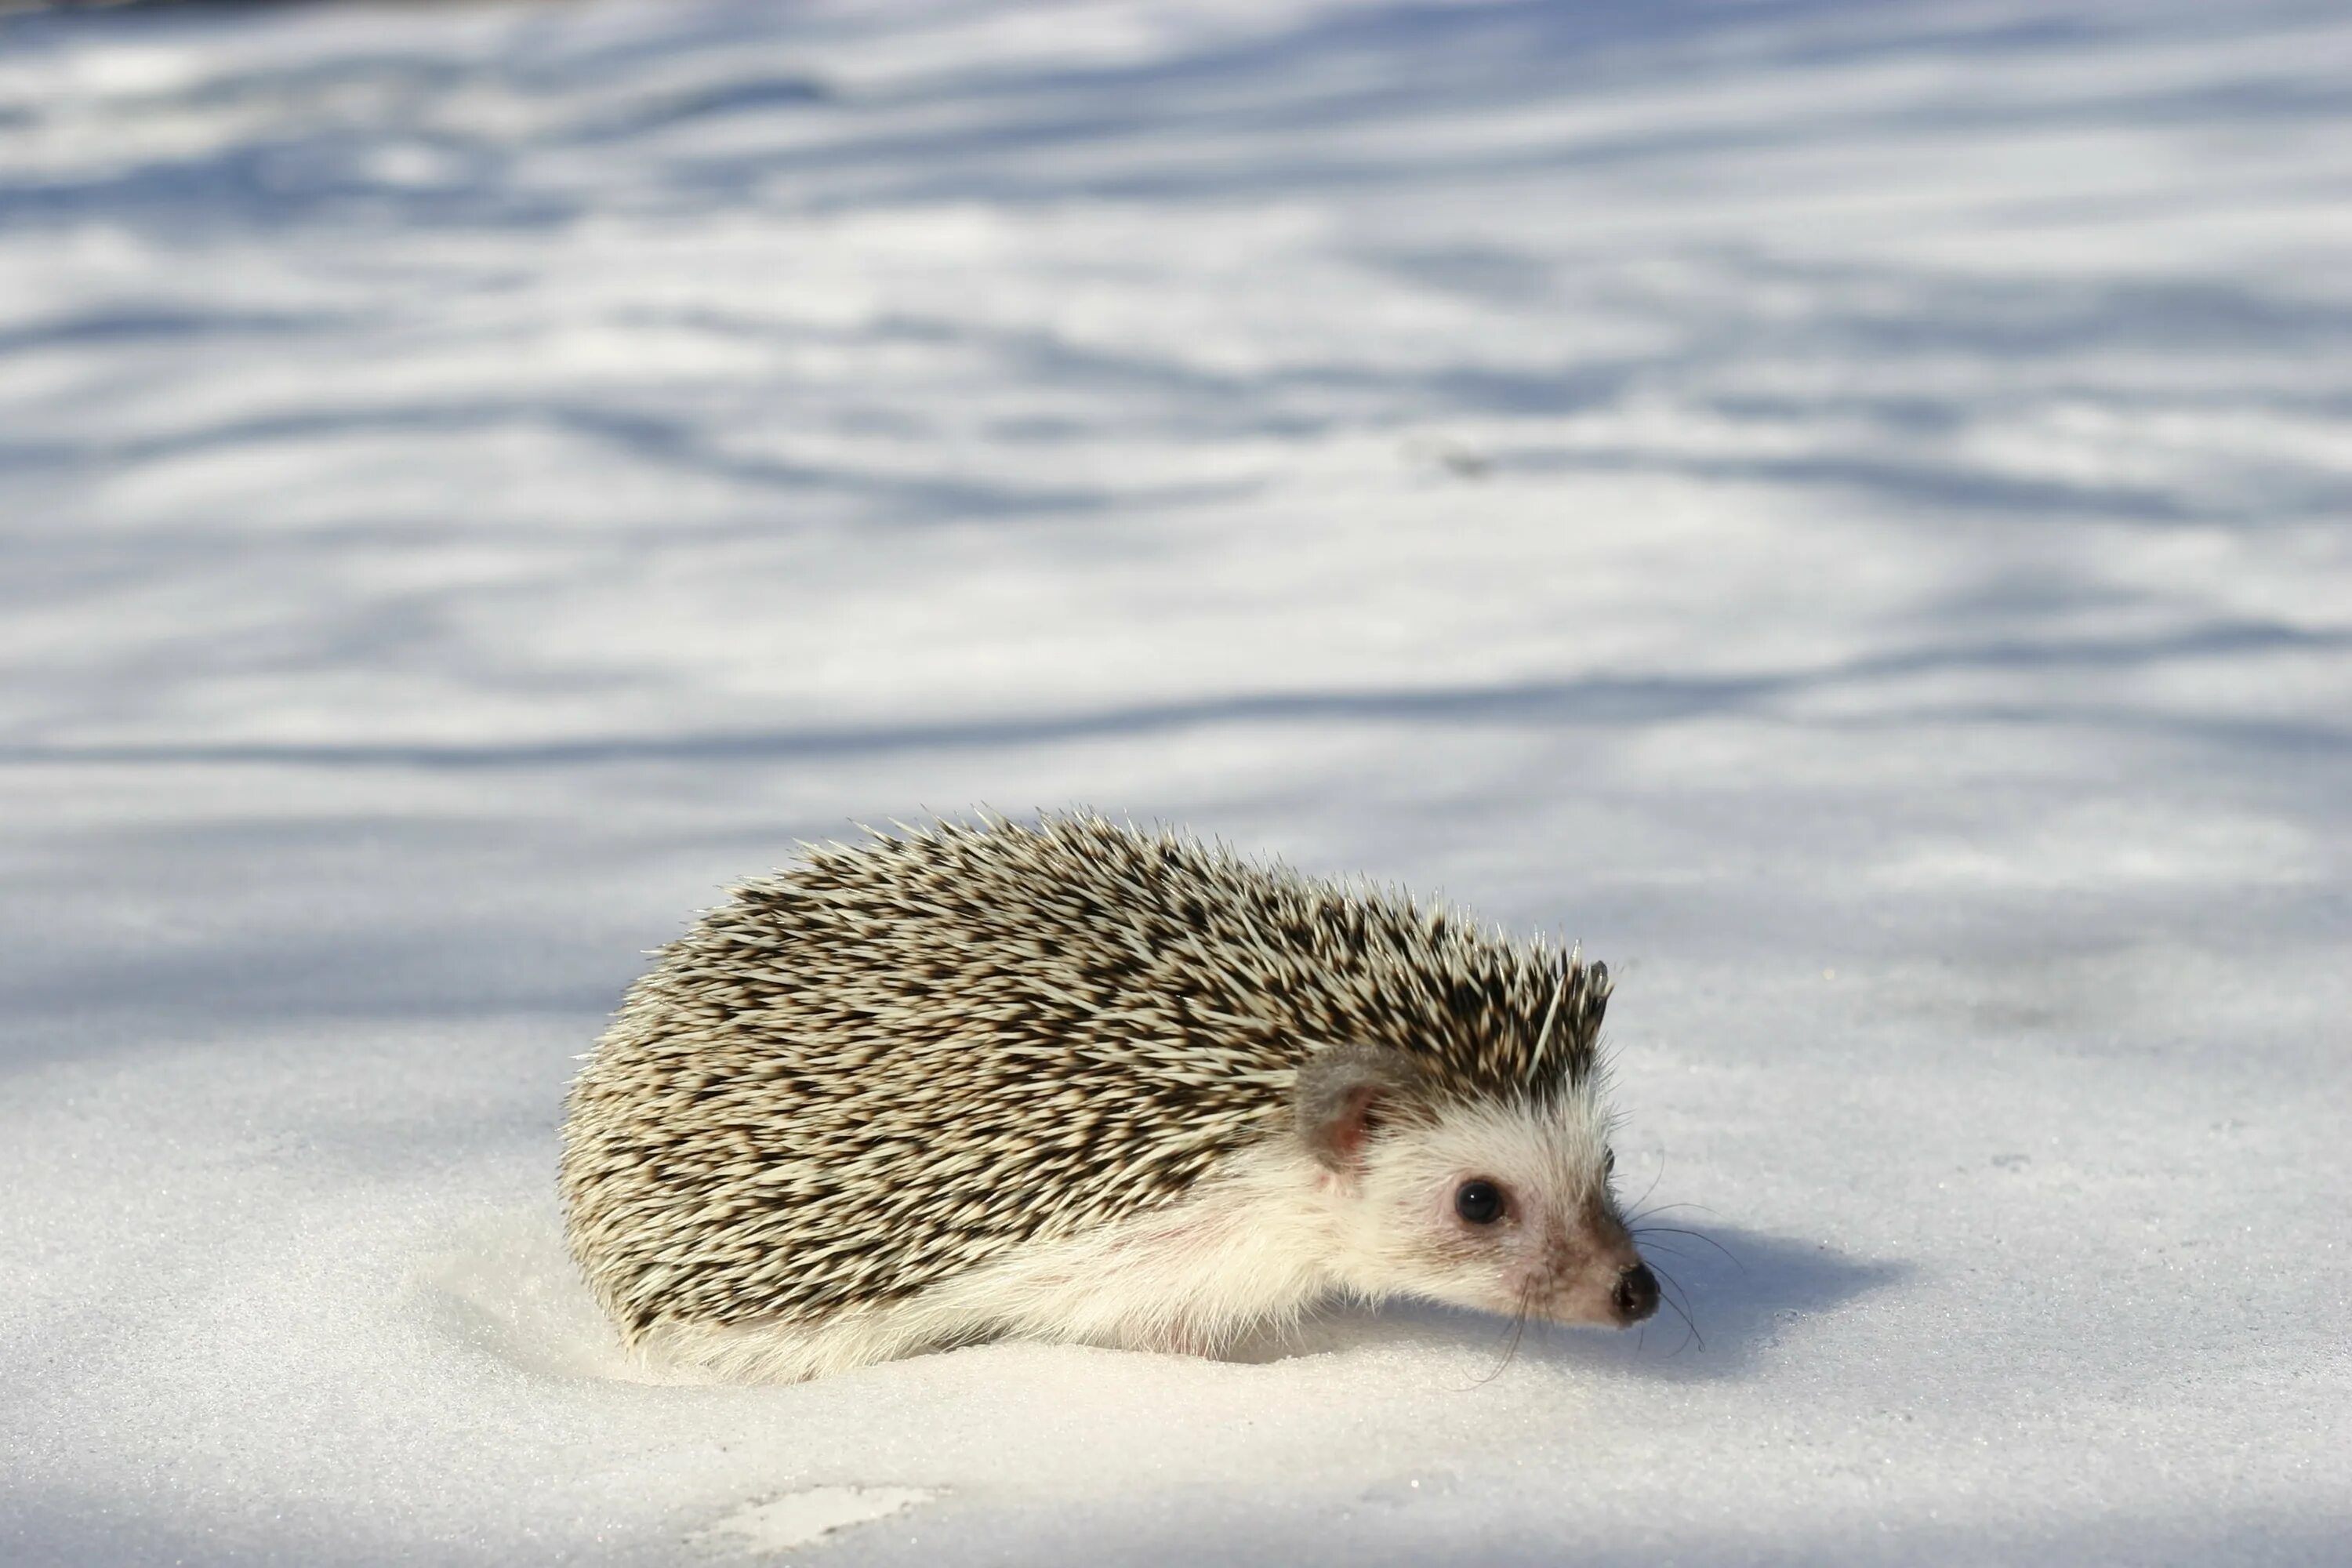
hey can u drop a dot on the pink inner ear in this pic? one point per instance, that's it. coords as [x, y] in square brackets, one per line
[1345, 1136]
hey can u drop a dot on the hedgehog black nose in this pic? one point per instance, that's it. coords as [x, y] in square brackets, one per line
[1637, 1292]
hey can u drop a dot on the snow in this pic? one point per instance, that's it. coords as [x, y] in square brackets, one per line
[1841, 507]
[799, 1518]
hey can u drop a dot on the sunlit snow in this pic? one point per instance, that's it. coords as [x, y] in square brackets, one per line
[1845, 509]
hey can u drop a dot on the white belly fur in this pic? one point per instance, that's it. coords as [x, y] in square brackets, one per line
[1249, 1250]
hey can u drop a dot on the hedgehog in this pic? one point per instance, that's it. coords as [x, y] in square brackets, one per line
[1074, 1082]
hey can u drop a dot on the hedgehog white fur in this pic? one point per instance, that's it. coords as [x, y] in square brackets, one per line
[1078, 1083]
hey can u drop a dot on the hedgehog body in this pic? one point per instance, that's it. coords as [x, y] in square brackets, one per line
[1076, 1082]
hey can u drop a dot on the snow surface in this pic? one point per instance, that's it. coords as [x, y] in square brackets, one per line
[1841, 506]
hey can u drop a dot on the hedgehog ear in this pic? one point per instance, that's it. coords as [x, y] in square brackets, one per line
[1340, 1099]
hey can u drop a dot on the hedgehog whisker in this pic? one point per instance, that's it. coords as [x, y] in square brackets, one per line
[1671, 1292]
[1663, 1208]
[1690, 1330]
[1654, 1180]
[1657, 1247]
[1668, 1283]
[1638, 1232]
[1691, 1318]
[1518, 1330]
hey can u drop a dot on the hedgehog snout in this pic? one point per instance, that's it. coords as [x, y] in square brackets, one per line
[1636, 1296]
[1593, 1272]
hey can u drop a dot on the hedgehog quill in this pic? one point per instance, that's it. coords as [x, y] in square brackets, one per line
[1072, 1081]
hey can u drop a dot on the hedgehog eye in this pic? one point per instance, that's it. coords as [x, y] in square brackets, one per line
[1479, 1201]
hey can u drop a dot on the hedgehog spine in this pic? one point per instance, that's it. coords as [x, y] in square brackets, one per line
[1077, 1082]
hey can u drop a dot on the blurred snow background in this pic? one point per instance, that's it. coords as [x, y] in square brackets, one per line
[1841, 506]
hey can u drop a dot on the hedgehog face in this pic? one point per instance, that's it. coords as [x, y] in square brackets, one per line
[1501, 1208]
[1505, 1208]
